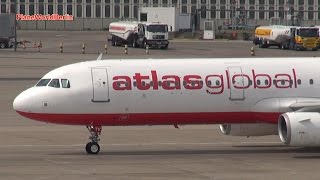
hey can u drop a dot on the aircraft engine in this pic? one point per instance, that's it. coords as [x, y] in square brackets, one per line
[259, 129]
[300, 128]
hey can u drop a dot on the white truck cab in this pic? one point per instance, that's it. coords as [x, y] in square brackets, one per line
[139, 34]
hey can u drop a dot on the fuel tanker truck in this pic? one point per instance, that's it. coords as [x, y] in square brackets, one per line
[287, 37]
[139, 34]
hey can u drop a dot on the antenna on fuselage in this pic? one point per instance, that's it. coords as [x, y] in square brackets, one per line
[99, 57]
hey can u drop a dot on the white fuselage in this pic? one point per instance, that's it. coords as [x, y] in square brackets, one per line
[173, 91]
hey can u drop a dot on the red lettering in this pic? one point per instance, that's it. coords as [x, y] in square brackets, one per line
[121, 83]
[213, 79]
[215, 83]
[283, 81]
[175, 80]
[52, 17]
[19, 16]
[155, 80]
[294, 78]
[141, 85]
[261, 78]
[242, 79]
[192, 82]
[228, 79]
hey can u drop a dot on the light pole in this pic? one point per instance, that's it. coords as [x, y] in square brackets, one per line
[15, 25]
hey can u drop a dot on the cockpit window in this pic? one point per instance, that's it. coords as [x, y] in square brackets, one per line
[65, 83]
[43, 82]
[55, 83]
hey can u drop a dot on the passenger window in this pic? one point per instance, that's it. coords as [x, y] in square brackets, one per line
[291, 82]
[151, 83]
[135, 84]
[266, 82]
[299, 81]
[55, 83]
[311, 81]
[217, 82]
[65, 83]
[43, 82]
[258, 82]
[209, 83]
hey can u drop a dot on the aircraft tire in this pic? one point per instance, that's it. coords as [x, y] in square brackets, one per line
[92, 148]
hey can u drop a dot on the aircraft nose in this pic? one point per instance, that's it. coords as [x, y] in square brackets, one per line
[22, 102]
[19, 103]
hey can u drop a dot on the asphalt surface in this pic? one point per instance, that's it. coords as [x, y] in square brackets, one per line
[38, 151]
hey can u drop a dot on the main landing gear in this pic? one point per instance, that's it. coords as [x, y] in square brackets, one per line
[93, 146]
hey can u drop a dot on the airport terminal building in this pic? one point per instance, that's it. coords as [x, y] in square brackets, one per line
[97, 14]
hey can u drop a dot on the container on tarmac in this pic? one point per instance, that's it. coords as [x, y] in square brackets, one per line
[139, 34]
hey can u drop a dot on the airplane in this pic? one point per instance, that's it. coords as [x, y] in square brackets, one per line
[246, 96]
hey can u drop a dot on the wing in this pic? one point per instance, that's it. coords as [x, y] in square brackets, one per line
[288, 105]
[306, 106]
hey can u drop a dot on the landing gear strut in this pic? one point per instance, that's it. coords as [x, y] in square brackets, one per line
[93, 146]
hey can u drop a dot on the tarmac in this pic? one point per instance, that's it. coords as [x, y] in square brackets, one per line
[38, 151]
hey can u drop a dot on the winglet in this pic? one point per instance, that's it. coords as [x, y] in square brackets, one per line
[100, 57]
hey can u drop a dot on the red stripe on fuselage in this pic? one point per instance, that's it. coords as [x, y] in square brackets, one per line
[155, 118]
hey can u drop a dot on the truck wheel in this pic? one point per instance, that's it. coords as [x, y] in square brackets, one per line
[145, 44]
[2, 45]
[112, 41]
[164, 47]
[134, 43]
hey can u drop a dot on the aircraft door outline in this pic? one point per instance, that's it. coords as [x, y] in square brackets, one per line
[236, 84]
[100, 85]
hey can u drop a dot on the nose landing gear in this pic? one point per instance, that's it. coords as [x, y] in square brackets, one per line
[93, 146]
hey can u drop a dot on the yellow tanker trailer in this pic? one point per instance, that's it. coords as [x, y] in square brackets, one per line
[287, 37]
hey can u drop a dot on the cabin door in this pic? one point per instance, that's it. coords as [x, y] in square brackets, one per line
[236, 81]
[100, 85]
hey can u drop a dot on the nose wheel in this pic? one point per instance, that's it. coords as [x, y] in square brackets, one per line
[93, 146]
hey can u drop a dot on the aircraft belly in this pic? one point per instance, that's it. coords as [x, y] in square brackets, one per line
[152, 118]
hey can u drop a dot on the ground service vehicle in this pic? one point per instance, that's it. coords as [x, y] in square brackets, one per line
[5, 43]
[287, 37]
[139, 34]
